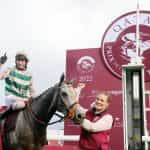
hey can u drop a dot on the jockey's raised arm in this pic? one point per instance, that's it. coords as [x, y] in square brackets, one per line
[3, 59]
[3, 73]
[18, 83]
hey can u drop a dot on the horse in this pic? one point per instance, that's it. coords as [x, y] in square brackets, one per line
[31, 123]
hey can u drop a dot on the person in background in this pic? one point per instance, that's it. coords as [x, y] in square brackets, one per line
[97, 124]
[18, 83]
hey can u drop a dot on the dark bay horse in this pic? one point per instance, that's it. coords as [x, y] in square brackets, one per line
[31, 123]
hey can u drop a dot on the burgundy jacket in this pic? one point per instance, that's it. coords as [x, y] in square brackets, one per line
[94, 140]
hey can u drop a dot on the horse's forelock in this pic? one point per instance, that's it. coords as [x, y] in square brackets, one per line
[61, 79]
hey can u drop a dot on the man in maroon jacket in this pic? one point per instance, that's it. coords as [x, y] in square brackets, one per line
[97, 125]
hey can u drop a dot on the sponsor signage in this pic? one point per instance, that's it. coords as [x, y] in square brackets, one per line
[118, 46]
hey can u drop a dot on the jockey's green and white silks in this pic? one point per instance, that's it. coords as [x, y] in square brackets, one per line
[18, 83]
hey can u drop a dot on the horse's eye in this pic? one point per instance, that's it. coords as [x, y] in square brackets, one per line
[64, 94]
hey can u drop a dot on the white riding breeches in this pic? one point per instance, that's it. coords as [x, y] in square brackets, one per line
[14, 102]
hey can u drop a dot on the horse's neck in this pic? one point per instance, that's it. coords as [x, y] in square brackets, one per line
[42, 103]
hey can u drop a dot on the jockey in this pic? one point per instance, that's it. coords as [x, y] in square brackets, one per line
[18, 83]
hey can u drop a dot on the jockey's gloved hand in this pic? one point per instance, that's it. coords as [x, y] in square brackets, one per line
[3, 59]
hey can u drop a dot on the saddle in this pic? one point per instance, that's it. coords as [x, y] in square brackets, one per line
[8, 125]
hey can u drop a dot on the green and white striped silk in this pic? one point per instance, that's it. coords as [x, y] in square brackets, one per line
[18, 83]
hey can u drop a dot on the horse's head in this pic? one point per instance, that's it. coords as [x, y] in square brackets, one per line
[62, 98]
[67, 102]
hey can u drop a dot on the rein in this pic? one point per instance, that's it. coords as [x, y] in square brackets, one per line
[71, 114]
[61, 118]
[34, 116]
[37, 119]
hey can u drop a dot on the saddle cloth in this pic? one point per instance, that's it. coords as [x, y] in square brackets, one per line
[10, 122]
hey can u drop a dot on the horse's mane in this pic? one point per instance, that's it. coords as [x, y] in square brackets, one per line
[47, 91]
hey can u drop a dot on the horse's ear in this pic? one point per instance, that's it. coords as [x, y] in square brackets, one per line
[61, 79]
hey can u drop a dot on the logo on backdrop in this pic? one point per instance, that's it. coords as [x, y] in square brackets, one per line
[119, 42]
[85, 64]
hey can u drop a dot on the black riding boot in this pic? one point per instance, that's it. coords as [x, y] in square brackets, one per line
[5, 113]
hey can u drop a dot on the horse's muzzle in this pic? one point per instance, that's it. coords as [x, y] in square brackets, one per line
[79, 116]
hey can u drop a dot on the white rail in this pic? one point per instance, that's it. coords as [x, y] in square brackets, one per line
[146, 138]
[59, 136]
[63, 137]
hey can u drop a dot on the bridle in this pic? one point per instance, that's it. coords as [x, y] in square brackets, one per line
[70, 110]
